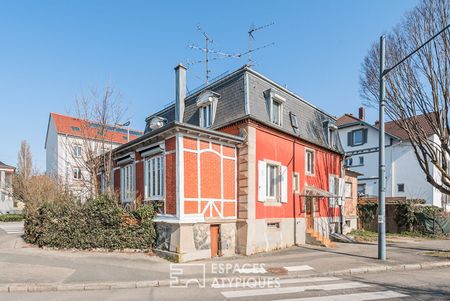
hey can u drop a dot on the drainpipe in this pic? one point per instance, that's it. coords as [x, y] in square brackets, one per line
[293, 191]
[341, 215]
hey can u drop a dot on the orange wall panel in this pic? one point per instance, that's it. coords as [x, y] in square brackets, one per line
[210, 175]
[228, 151]
[190, 175]
[190, 143]
[190, 207]
[229, 179]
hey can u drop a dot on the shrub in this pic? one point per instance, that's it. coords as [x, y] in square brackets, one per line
[367, 212]
[98, 223]
[11, 217]
[405, 216]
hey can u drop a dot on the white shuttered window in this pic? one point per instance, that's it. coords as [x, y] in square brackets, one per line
[154, 177]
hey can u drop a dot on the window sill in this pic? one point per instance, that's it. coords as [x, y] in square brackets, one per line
[272, 203]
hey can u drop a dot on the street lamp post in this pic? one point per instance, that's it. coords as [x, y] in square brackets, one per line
[381, 153]
[381, 159]
[127, 124]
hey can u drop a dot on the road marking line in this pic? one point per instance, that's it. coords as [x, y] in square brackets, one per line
[298, 268]
[290, 290]
[234, 284]
[353, 297]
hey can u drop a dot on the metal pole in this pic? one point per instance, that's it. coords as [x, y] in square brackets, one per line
[381, 161]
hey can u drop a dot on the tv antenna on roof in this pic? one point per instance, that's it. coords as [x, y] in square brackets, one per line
[208, 52]
[251, 38]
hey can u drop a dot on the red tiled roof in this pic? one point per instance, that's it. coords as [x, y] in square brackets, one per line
[392, 128]
[346, 119]
[72, 126]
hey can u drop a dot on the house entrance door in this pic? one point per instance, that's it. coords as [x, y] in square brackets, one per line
[214, 232]
[309, 203]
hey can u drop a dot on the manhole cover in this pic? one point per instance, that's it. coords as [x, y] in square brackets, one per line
[277, 270]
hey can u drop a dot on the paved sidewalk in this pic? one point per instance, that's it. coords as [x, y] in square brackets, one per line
[25, 265]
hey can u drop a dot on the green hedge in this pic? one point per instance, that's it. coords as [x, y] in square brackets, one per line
[11, 217]
[98, 223]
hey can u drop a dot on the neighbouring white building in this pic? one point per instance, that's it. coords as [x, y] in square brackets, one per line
[404, 177]
[67, 143]
[7, 203]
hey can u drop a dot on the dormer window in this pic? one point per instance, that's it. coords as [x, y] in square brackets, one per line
[276, 112]
[206, 116]
[275, 105]
[207, 104]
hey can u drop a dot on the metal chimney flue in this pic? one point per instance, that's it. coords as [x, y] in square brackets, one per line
[180, 91]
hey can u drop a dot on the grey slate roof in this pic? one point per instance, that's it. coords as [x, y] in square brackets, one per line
[242, 94]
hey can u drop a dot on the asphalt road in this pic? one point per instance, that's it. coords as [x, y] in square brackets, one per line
[414, 285]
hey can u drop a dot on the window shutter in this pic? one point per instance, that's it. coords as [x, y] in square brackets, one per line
[350, 139]
[331, 190]
[364, 136]
[284, 184]
[262, 181]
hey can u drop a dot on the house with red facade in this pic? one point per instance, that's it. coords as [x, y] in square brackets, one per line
[242, 165]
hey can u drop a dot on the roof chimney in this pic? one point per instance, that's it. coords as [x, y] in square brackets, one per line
[362, 113]
[180, 91]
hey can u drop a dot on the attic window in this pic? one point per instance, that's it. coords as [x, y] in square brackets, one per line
[294, 122]
[207, 104]
[275, 104]
[75, 128]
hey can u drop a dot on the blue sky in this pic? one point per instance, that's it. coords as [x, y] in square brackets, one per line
[53, 51]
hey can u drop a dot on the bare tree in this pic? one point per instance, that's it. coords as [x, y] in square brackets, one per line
[99, 112]
[24, 161]
[418, 90]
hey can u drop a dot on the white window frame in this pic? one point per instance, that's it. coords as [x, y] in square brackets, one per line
[273, 114]
[296, 182]
[126, 183]
[273, 170]
[206, 115]
[77, 151]
[271, 97]
[76, 173]
[310, 167]
[154, 177]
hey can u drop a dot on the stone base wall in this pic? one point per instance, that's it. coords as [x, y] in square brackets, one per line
[262, 235]
[187, 242]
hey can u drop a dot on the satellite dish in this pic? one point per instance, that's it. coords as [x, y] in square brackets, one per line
[157, 122]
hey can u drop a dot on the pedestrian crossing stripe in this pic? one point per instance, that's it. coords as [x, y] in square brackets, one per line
[294, 289]
[280, 281]
[298, 268]
[353, 297]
